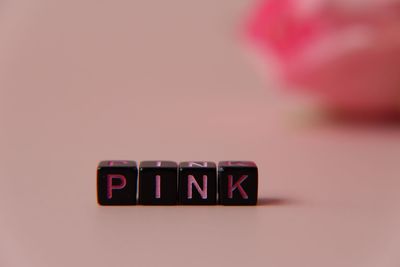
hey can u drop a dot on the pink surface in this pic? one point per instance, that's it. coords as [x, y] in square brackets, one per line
[344, 53]
[83, 81]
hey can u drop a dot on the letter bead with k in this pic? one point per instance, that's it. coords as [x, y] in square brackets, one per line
[238, 182]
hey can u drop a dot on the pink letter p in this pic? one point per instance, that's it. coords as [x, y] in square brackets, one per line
[110, 185]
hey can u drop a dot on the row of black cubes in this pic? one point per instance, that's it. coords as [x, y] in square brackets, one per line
[167, 183]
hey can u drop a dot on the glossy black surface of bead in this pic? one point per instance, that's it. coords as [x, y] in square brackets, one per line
[237, 183]
[158, 183]
[197, 183]
[117, 182]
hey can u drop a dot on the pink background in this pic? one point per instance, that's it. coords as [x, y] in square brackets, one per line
[82, 81]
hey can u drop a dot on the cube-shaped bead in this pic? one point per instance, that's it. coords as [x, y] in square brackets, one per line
[117, 182]
[197, 183]
[158, 183]
[238, 182]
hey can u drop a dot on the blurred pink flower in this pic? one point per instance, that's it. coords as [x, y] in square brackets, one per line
[347, 55]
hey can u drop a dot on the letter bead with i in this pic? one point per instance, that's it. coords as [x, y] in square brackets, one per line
[117, 182]
[238, 182]
[197, 183]
[158, 182]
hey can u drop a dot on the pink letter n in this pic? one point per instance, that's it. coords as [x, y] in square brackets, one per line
[202, 191]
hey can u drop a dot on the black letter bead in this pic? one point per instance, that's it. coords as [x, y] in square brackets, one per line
[197, 183]
[238, 182]
[117, 182]
[158, 182]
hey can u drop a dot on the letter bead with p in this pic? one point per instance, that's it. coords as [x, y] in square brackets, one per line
[117, 182]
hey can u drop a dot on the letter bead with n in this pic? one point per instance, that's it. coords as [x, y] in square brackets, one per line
[197, 183]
